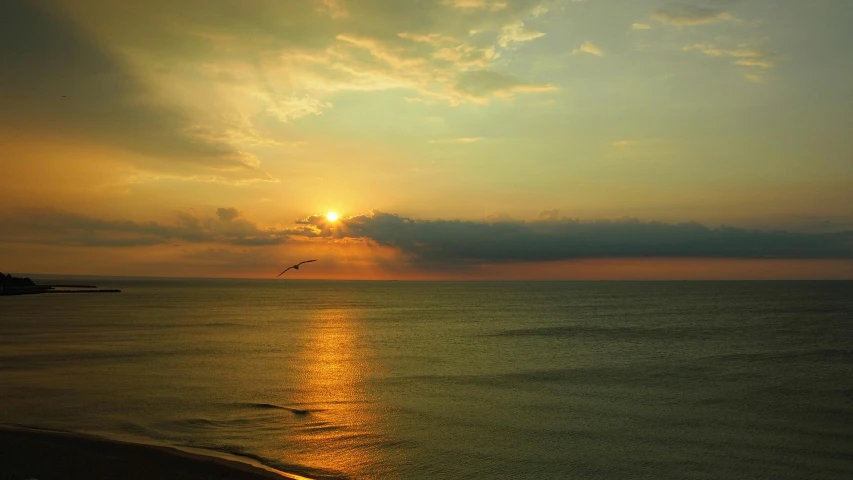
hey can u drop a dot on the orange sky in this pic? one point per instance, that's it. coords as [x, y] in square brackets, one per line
[524, 139]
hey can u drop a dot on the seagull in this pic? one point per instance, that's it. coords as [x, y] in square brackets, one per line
[296, 266]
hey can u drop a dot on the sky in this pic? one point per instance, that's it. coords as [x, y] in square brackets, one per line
[455, 139]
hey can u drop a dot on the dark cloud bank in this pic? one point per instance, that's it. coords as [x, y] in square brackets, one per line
[53, 227]
[564, 239]
[439, 242]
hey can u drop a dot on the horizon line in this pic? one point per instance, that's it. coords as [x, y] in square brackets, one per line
[483, 280]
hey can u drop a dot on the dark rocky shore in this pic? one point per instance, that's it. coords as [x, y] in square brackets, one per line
[10, 285]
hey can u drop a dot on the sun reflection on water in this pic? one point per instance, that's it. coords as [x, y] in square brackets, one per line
[343, 431]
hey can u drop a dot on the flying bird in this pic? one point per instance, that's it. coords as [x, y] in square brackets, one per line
[296, 267]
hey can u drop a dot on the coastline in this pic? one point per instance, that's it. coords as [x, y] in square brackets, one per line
[33, 453]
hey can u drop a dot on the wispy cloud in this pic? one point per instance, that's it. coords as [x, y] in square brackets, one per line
[467, 56]
[515, 33]
[755, 62]
[290, 108]
[106, 102]
[493, 5]
[686, 15]
[459, 140]
[590, 48]
[333, 8]
[481, 83]
[641, 26]
[435, 63]
[285, 60]
[430, 38]
[744, 57]
[754, 77]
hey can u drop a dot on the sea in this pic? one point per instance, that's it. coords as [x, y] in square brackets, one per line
[435, 380]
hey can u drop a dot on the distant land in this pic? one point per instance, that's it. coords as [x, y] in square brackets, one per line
[10, 285]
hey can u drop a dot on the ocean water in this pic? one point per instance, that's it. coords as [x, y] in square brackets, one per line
[417, 380]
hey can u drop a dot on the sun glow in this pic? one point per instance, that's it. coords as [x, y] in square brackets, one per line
[332, 216]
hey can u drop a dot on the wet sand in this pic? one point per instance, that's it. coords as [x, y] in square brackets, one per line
[43, 455]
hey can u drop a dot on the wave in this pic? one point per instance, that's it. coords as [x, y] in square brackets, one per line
[318, 427]
[271, 406]
[37, 360]
[809, 309]
[702, 368]
[201, 422]
[840, 355]
[595, 330]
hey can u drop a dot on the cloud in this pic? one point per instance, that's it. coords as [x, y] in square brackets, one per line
[466, 56]
[334, 8]
[65, 83]
[459, 140]
[719, 52]
[430, 38]
[482, 83]
[641, 26]
[540, 10]
[755, 62]
[744, 57]
[686, 15]
[227, 214]
[515, 33]
[57, 227]
[433, 64]
[549, 215]
[499, 217]
[394, 58]
[492, 5]
[590, 48]
[553, 237]
[754, 77]
[293, 107]
[167, 91]
[498, 239]
[287, 58]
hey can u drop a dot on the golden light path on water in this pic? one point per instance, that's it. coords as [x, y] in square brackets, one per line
[344, 433]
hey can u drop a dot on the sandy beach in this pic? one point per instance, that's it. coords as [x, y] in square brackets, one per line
[27, 454]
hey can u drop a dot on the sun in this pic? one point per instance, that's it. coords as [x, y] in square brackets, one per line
[332, 216]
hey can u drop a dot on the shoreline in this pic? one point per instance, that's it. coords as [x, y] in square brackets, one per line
[42, 454]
